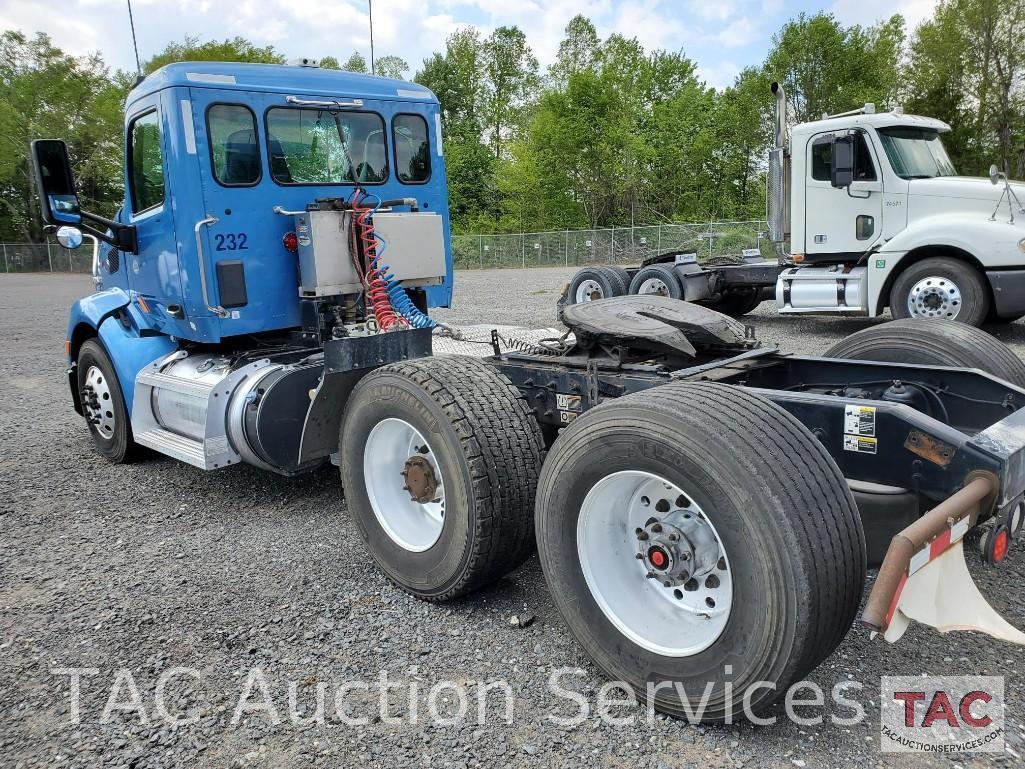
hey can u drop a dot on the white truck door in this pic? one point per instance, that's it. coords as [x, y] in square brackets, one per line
[841, 223]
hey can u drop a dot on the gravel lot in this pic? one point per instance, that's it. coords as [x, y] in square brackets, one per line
[158, 565]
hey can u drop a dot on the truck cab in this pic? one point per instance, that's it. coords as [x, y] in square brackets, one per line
[877, 217]
[275, 220]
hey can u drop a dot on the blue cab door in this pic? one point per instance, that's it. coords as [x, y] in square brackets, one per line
[154, 271]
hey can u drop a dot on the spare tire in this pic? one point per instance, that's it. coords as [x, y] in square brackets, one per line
[932, 342]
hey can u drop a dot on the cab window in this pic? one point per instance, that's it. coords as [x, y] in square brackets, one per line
[412, 149]
[308, 146]
[234, 151]
[822, 159]
[146, 162]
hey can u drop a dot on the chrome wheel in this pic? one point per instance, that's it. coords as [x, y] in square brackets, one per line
[588, 291]
[654, 563]
[653, 286]
[97, 403]
[404, 484]
[934, 297]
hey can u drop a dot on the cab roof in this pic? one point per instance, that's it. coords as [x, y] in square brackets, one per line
[873, 120]
[280, 78]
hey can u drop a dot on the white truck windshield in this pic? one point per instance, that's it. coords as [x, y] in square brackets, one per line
[916, 153]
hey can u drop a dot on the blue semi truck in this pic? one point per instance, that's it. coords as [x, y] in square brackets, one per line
[704, 507]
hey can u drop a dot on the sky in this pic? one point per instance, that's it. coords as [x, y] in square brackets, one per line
[721, 36]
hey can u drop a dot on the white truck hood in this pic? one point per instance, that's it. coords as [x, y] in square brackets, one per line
[963, 187]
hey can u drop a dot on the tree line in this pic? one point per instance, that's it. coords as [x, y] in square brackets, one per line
[608, 134]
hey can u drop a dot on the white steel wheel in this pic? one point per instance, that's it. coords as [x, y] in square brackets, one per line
[97, 402]
[654, 563]
[588, 291]
[404, 484]
[653, 286]
[934, 296]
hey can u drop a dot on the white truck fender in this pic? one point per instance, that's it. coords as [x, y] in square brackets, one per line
[994, 244]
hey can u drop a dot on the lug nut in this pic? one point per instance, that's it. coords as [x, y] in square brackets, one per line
[642, 536]
[650, 575]
[657, 528]
[667, 583]
[674, 537]
[684, 556]
[639, 557]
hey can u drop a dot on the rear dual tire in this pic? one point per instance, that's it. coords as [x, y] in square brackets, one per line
[777, 501]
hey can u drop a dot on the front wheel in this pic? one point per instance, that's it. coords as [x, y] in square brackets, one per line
[697, 540]
[941, 288]
[103, 404]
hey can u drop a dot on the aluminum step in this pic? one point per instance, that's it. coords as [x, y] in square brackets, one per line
[174, 445]
[175, 384]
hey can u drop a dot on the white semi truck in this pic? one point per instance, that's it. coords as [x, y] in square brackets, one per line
[868, 213]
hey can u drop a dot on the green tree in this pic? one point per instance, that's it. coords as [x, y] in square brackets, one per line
[46, 93]
[329, 62]
[233, 49]
[356, 63]
[510, 84]
[391, 66]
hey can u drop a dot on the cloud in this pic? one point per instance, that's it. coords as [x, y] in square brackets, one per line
[739, 33]
[866, 12]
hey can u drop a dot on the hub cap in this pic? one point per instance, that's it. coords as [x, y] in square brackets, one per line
[654, 563]
[934, 297]
[588, 291]
[404, 485]
[653, 286]
[97, 403]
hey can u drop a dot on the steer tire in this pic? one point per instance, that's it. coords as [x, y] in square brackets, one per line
[736, 303]
[973, 307]
[118, 446]
[787, 520]
[488, 448]
[932, 342]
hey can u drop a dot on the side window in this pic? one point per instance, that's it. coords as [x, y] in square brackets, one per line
[305, 146]
[234, 151]
[146, 161]
[864, 169]
[822, 159]
[412, 149]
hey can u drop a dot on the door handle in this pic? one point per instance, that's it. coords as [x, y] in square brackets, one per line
[217, 310]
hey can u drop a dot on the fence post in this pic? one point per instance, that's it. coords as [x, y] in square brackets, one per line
[612, 255]
[658, 248]
[567, 248]
[523, 249]
[6, 268]
[480, 250]
[49, 256]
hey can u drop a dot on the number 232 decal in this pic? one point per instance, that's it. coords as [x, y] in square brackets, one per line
[231, 241]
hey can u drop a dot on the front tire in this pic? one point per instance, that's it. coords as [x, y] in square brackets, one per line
[103, 404]
[941, 288]
[457, 435]
[792, 547]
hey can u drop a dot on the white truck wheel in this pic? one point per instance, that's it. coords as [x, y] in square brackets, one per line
[941, 288]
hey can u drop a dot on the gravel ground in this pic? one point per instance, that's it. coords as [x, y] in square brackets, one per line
[147, 567]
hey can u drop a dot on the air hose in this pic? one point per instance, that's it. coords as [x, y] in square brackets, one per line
[403, 304]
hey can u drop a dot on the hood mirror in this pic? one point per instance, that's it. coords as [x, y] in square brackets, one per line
[69, 237]
[994, 174]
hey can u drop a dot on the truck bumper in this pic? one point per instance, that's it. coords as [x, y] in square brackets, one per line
[1008, 292]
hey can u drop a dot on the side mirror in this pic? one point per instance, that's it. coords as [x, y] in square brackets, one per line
[55, 183]
[994, 174]
[69, 237]
[842, 172]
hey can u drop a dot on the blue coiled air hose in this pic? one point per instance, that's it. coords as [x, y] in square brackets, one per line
[400, 301]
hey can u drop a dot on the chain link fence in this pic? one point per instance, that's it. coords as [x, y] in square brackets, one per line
[46, 257]
[617, 245]
[564, 248]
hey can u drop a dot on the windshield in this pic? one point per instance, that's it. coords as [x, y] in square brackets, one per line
[916, 153]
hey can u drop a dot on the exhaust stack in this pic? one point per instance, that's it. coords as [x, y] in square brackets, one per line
[776, 197]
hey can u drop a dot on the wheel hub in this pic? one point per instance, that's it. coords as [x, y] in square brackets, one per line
[934, 297]
[677, 547]
[589, 291]
[420, 480]
[654, 286]
[97, 404]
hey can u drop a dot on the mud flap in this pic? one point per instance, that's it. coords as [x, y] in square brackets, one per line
[940, 592]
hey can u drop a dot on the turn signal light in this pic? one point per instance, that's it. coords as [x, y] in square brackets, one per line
[290, 242]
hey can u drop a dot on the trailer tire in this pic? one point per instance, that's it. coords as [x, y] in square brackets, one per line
[657, 279]
[97, 381]
[792, 542]
[932, 279]
[932, 342]
[485, 445]
[598, 282]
